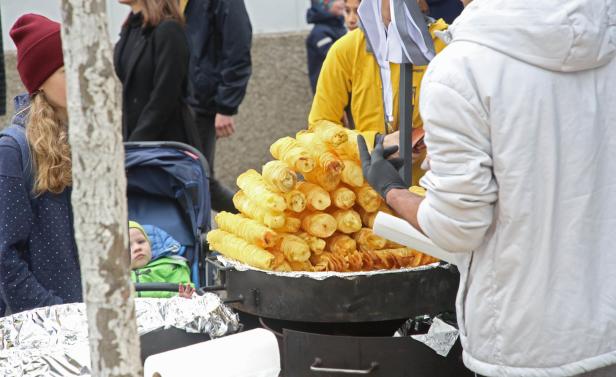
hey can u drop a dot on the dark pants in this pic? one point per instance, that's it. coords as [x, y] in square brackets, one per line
[222, 196]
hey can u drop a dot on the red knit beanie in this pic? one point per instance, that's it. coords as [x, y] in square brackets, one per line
[39, 49]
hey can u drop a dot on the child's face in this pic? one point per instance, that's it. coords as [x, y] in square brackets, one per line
[351, 19]
[140, 250]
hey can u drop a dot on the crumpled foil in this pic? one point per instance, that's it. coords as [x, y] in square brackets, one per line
[53, 341]
[322, 275]
[441, 337]
[203, 314]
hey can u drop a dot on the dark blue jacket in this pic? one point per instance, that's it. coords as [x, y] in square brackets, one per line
[327, 30]
[448, 10]
[39, 264]
[219, 38]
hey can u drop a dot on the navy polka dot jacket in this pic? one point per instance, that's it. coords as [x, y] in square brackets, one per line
[39, 264]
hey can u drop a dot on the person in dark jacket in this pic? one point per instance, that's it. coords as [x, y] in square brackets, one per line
[151, 60]
[328, 19]
[448, 10]
[39, 264]
[220, 37]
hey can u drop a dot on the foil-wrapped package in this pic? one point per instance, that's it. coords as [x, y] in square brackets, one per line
[441, 337]
[53, 341]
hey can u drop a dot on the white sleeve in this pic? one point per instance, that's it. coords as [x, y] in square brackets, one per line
[461, 189]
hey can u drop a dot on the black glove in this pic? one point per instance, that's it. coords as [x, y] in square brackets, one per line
[381, 173]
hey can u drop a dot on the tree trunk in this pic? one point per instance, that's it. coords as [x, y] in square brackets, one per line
[99, 189]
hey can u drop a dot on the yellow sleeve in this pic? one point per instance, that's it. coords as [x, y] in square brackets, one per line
[334, 85]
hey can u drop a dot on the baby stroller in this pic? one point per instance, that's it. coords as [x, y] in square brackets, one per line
[168, 186]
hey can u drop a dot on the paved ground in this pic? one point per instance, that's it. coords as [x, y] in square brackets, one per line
[277, 103]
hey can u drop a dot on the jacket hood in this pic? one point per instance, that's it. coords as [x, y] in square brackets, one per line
[317, 15]
[565, 36]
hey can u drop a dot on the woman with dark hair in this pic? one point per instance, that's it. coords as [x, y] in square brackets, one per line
[151, 60]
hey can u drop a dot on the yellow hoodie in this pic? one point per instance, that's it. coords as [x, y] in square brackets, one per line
[183, 4]
[351, 74]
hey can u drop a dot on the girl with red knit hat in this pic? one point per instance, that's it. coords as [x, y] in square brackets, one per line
[39, 264]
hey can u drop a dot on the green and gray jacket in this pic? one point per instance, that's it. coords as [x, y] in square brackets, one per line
[162, 270]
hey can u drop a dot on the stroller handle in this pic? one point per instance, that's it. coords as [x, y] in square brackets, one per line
[175, 145]
[171, 287]
[152, 287]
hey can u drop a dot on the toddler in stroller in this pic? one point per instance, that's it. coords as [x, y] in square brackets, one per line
[166, 269]
[168, 186]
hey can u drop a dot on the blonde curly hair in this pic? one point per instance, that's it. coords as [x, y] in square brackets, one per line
[47, 136]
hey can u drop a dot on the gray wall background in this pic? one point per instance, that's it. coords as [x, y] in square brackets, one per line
[267, 16]
[278, 98]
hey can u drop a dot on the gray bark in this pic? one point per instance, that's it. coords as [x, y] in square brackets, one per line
[99, 189]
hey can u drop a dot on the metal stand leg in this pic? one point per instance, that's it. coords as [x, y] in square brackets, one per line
[405, 123]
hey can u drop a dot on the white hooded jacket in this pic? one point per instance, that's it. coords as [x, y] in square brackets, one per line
[520, 119]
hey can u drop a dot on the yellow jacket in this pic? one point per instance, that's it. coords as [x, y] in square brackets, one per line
[183, 4]
[352, 74]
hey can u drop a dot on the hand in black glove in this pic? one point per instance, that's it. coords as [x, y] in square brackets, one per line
[381, 173]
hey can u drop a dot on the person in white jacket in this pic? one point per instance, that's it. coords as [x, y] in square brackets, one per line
[520, 118]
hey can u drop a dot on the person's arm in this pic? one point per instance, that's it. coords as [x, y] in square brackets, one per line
[19, 288]
[233, 26]
[461, 189]
[334, 85]
[171, 66]
[406, 204]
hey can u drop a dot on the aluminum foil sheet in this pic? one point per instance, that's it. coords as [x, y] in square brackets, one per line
[441, 336]
[226, 262]
[53, 341]
[203, 314]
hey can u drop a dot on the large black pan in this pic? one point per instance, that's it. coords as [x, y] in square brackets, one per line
[362, 298]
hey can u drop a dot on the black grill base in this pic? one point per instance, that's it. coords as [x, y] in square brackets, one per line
[356, 346]
[388, 357]
[348, 324]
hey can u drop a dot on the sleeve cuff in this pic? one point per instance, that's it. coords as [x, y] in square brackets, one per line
[229, 111]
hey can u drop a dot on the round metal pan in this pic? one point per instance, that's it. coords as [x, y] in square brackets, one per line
[362, 298]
